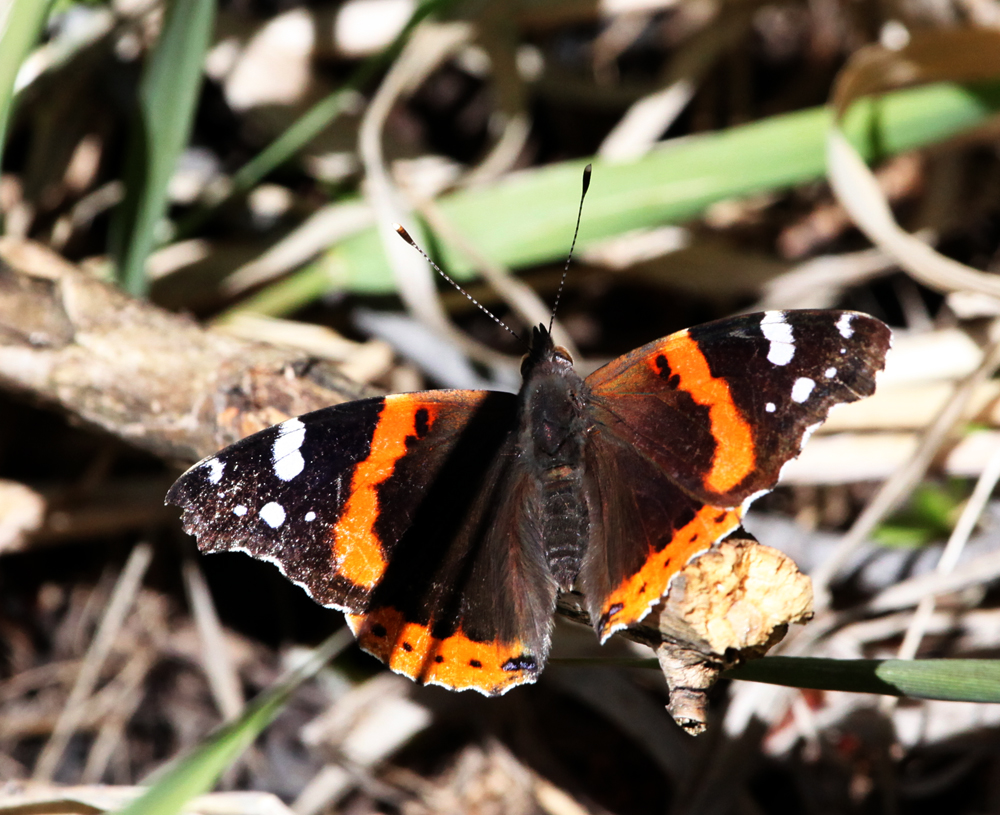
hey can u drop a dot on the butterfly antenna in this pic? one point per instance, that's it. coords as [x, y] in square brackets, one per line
[406, 237]
[579, 214]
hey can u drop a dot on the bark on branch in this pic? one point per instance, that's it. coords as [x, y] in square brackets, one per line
[150, 377]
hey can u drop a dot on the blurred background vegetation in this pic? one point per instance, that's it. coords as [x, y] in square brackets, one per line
[243, 162]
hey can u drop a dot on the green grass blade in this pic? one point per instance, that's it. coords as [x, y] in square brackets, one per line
[957, 680]
[22, 22]
[196, 773]
[311, 123]
[528, 218]
[320, 115]
[168, 93]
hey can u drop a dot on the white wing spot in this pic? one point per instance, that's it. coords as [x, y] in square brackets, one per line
[288, 461]
[802, 388]
[843, 350]
[239, 510]
[215, 468]
[770, 407]
[778, 333]
[273, 514]
[844, 326]
[289, 466]
[830, 373]
[310, 516]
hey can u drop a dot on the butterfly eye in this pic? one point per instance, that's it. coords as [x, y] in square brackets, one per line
[562, 353]
[524, 364]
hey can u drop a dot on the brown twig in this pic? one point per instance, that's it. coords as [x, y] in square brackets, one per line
[152, 378]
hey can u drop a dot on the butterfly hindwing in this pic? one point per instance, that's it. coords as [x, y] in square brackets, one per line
[691, 427]
[390, 509]
[644, 529]
[467, 601]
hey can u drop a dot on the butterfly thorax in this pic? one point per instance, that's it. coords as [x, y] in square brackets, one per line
[552, 439]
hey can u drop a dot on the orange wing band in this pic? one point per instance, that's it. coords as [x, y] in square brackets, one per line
[357, 550]
[456, 662]
[632, 600]
[734, 456]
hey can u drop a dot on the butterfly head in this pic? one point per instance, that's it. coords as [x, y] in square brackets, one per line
[544, 355]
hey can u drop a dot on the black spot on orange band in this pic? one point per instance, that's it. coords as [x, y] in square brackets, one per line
[628, 604]
[455, 661]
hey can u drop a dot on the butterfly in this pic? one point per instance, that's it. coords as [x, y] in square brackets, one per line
[445, 523]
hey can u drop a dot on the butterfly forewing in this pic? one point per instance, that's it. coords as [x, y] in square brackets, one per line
[722, 406]
[276, 495]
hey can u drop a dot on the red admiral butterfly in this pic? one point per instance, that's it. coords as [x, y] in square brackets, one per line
[444, 523]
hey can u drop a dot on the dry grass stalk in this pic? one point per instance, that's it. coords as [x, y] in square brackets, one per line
[119, 605]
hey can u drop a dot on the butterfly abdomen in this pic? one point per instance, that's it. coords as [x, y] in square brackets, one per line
[564, 523]
[552, 439]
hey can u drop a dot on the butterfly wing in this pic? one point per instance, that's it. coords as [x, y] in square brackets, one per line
[402, 511]
[644, 528]
[695, 426]
[467, 599]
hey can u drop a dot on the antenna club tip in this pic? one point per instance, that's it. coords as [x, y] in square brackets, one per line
[401, 231]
